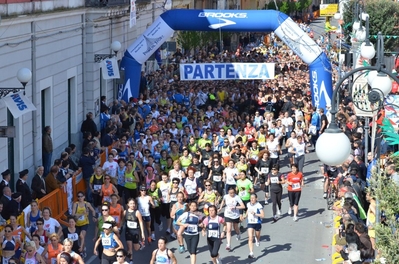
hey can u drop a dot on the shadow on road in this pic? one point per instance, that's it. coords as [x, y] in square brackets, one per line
[305, 213]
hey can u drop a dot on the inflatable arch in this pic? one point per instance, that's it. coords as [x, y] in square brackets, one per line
[229, 20]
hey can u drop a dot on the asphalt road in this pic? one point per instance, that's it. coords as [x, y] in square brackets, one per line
[284, 241]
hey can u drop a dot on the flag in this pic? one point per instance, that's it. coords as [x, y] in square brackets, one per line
[109, 69]
[18, 104]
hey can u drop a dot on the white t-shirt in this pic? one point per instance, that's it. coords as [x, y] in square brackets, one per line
[112, 167]
[231, 203]
[230, 173]
[50, 225]
[254, 208]
[272, 146]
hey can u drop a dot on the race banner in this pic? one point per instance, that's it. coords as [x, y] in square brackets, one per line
[109, 69]
[226, 71]
[18, 104]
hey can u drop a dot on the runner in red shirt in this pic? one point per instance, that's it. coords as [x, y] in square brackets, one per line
[295, 184]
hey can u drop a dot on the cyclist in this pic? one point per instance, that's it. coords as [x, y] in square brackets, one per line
[330, 173]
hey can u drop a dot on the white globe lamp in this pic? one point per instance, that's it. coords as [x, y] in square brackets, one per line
[116, 46]
[333, 146]
[356, 25]
[337, 16]
[367, 50]
[371, 76]
[361, 34]
[24, 75]
[383, 83]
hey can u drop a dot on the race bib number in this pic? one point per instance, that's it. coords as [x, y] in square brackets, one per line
[252, 219]
[192, 228]
[213, 233]
[296, 186]
[132, 224]
[116, 219]
[197, 174]
[42, 240]
[53, 261]
[129, 179]
[17, 237]
[254, 157]
[263, 144]
[300, 152]
[97, 187]
[249, 137]
[217, 178]
[106, 241]
[243, 193]
[206, 162]
[274, 179]
[144, 212]
[82, 218]
[107, 199]
[164, 197]
[73, 237]
[264, 170]
[29, 261]
[173, 197]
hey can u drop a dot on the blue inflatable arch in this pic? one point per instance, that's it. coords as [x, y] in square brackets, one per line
[229, 20]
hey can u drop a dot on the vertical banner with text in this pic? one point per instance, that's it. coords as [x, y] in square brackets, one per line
[132, 13]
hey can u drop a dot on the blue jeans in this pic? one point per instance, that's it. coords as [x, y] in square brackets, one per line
[89, 194]
[46, 162]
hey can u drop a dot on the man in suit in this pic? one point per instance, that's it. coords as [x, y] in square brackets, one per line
[38, 184]
[23, 188]
[6, 180]
[13, 207]
[6, 198]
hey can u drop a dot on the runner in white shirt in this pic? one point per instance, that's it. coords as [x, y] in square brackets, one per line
[254, 216]
[110, 167]
[232, 214]
[230, 175]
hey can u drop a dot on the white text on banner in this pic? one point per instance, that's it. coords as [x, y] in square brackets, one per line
[226, 71]
[110, 69]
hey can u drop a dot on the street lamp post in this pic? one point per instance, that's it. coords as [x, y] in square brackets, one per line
[115, 47]
[333, 146]
[23, 75]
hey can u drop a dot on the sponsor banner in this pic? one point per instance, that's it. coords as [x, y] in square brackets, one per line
[132, 13]
[321, 82]
[328, 9]
[226, 71]
[360, 91]
[109, 69]
[18, 104]
[299, 41]
[391, 106]
[150, 41]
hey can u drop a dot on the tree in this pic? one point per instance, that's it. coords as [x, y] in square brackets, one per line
[189, 40]
[284, 7]
[384, 18]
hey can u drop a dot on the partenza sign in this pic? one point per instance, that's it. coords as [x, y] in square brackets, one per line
[226, 71]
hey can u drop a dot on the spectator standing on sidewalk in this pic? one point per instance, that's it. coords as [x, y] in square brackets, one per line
[86, 164]
[47, 149]
[23, 188]
[88, 125]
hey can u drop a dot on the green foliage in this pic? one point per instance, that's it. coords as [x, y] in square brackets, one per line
[271, 6]
[386, 193]
[189, 40]
[285, 7]
[383, 18]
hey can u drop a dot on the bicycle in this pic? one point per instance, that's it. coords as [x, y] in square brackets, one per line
[331, 193]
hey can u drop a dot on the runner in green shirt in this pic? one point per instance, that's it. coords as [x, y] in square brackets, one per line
[244, 189]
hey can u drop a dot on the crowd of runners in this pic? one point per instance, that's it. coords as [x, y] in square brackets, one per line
[188, 158]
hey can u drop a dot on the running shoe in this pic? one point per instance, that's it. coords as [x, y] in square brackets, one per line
[153, 237]
[251, 256]
[149, 240]
[295, 218]
[257, 243]
[278, 213]
[168, 231]
[289, 210]
[275, 218]
[266, 201]
[173, 236]
[219, 260]
[160, 226]
[238, 236]
[325, 195]
[227, 247]
[181, 249]
[131, 262]
[142, 245]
